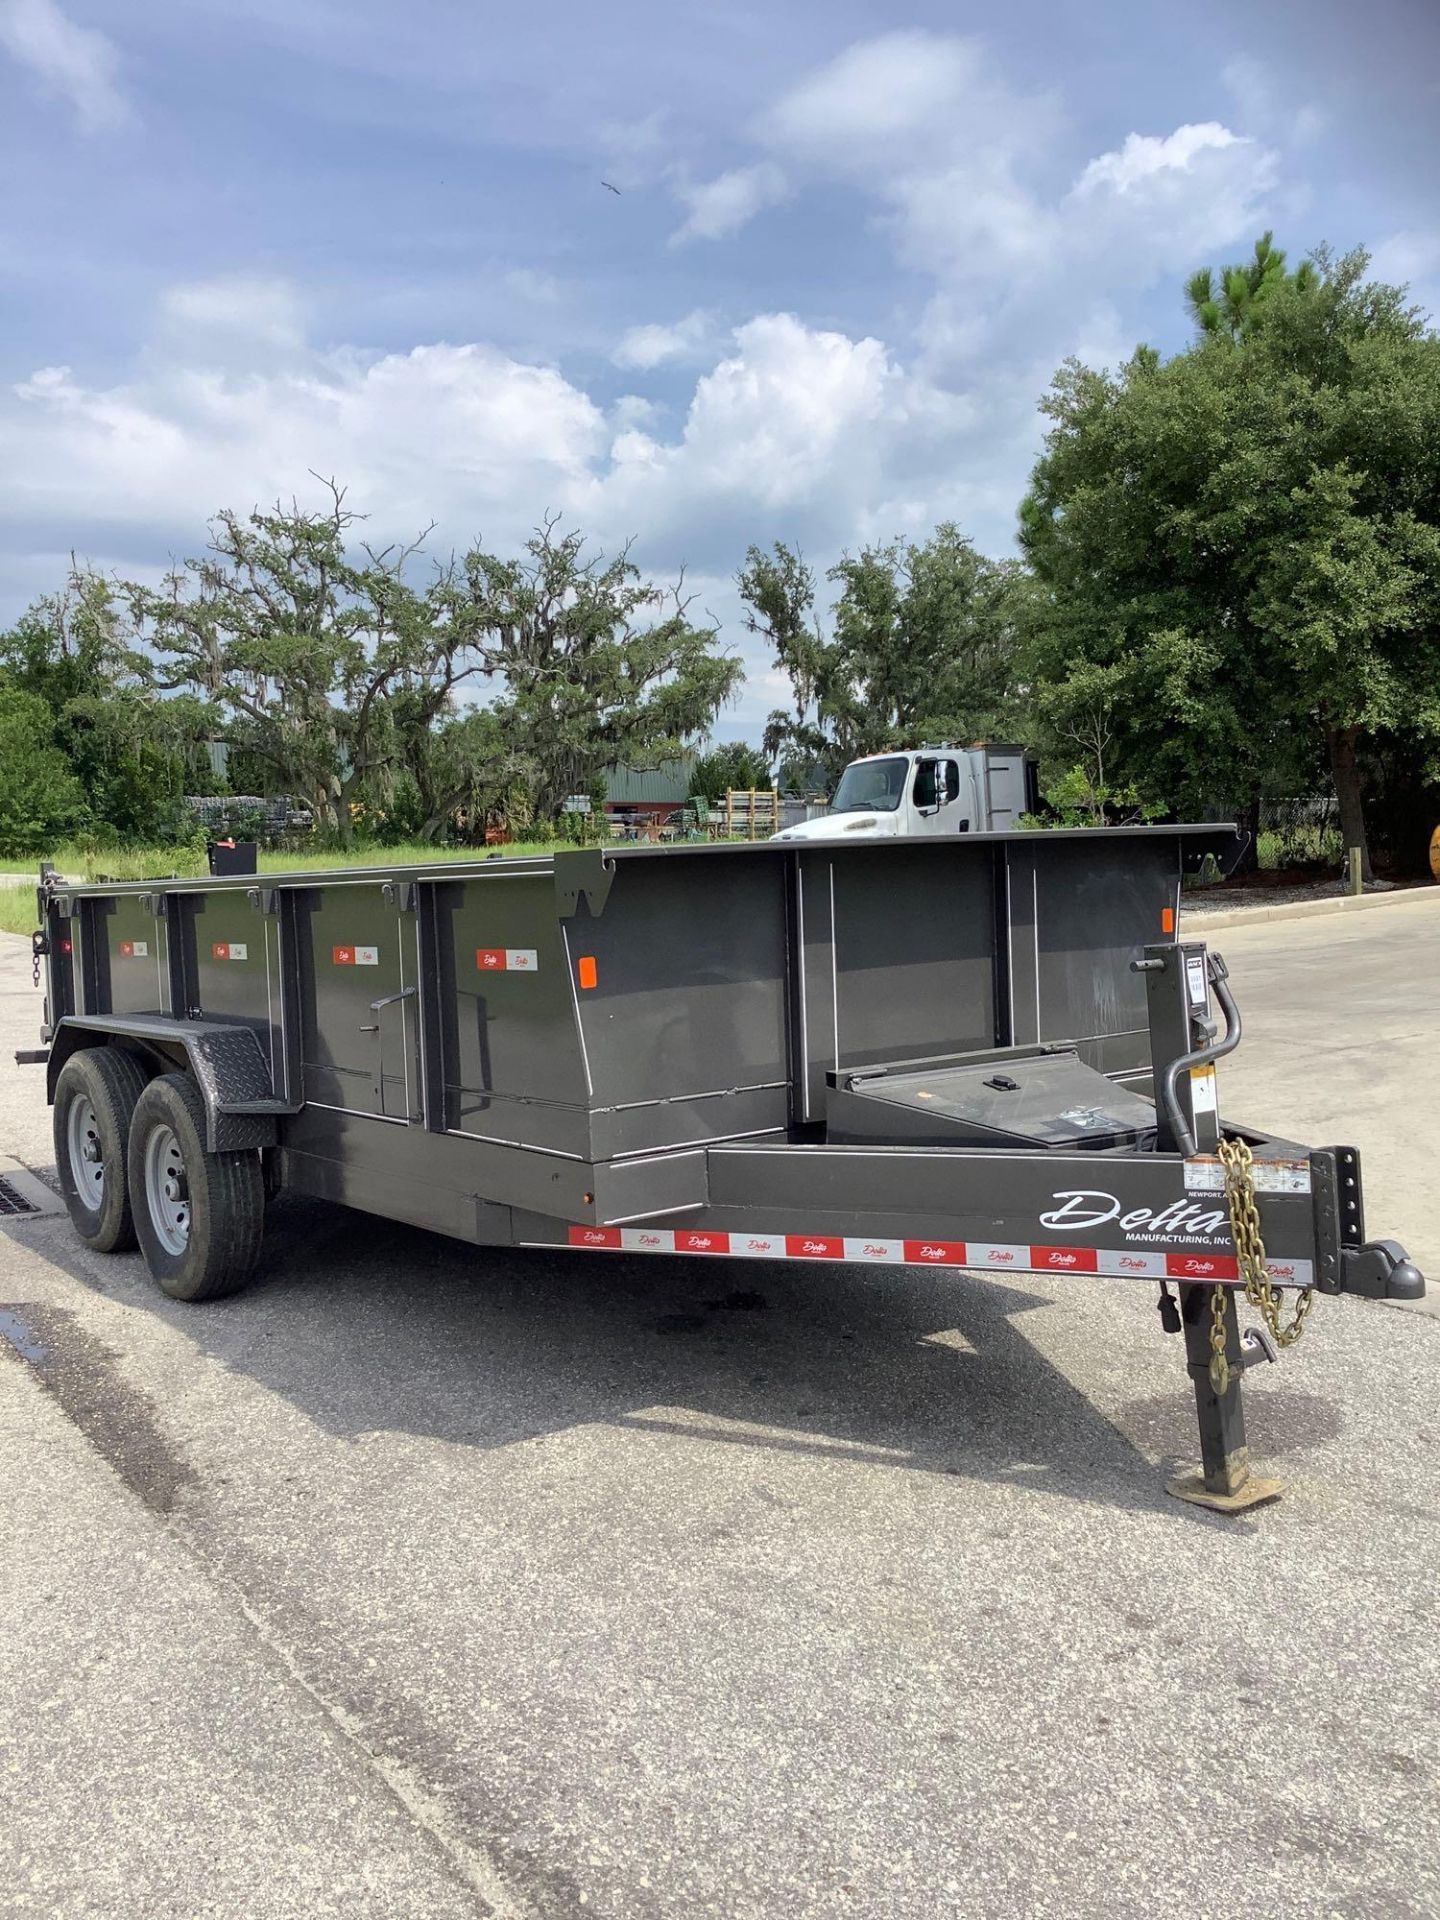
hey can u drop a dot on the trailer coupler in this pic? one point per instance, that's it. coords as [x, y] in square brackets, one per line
[1380, 1270]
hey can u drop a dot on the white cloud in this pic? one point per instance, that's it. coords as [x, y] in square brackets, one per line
[794, 431]
[956, 161]
[653, 344]
[770, 419]
[1411, 260]
[460, 430]
[722, 206]
[898, 88]
[1171, 199]
[533, 287]
[1144, 156]
[249, 312]
[1405, 257]
[76, 62]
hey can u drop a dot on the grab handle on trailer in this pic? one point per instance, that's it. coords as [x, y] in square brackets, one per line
[1202, 1056]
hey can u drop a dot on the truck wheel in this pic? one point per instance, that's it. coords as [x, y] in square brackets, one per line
[95, 1098]
[198, 1215]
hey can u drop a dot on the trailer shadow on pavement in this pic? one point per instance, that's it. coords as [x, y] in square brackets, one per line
[368, 1327]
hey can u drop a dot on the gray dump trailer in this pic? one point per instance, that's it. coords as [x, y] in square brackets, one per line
[992, 1053]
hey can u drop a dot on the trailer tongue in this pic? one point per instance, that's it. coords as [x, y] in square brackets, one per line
[988, 1053]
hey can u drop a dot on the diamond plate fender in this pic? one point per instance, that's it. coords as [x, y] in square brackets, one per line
[241, 1110]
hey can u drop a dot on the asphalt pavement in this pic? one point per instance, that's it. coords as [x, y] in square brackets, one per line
[421, 1580]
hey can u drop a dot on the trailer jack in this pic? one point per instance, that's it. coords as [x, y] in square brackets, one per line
[1225, 1483]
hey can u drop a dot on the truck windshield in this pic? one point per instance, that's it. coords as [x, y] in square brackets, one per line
[870, 784]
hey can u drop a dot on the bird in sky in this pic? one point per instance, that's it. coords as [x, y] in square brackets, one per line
[606, 183]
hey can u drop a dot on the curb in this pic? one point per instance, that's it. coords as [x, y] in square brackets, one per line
[1303, 909]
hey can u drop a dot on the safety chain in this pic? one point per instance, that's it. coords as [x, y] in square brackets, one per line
[1219, 1362]
[1267, 1299]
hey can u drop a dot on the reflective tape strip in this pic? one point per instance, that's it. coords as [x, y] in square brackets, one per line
[1291, 1273]
[986, 1256]
[507, 959]
[1201, 1266]
[1147, 1266]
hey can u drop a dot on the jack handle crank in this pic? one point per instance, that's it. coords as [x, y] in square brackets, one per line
[1219, 975]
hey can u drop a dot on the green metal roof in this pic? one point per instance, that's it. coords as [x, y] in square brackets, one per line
[639, 786]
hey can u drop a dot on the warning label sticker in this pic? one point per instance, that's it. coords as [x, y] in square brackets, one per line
[355, 956]
[134, 949]
[1205, 1175]
[229, 950]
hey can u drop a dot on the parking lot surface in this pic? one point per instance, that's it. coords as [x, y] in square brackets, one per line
[421, 1580]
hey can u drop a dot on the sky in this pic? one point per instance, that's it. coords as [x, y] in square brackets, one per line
[244, 242]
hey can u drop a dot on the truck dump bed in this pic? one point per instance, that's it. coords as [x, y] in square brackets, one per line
[600, 1007]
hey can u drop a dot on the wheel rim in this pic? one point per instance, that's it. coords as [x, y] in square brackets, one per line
[167, 1194]
[87, 1158]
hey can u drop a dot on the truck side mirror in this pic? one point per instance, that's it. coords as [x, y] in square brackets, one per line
[927, 780]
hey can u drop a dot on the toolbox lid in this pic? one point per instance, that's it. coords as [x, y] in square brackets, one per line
[1039, 1100]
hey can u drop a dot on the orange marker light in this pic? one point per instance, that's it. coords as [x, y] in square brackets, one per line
[585, 970]
[1167, 920]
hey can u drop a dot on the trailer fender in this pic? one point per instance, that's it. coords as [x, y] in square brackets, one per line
[228, 1067]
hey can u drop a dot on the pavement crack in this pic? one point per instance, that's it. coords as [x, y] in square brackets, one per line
[425, 1810]
[86, 1379]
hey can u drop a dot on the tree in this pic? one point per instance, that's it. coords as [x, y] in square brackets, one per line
[777, 590]
[595, 664]
[1246, 538]
[926, 640]
[41, 801]
[129, 749]
[1233, 306]
[455, 768]
[321, 659]
[734, 765]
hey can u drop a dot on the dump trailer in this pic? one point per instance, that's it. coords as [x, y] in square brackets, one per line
[992, 1053]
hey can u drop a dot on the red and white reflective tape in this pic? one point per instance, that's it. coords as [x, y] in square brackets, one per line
[987, 1256]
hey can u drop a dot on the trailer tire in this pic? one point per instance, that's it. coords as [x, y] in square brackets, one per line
[95, 1100]
[198, 1216]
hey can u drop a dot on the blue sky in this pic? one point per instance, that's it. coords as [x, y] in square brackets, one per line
[245, 239]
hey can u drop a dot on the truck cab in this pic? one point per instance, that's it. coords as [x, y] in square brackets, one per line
[926, 792]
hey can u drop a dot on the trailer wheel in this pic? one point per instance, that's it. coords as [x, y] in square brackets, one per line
[198, 1215]
[95, 1098]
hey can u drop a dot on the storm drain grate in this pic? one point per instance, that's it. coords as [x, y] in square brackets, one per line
[13, 1202]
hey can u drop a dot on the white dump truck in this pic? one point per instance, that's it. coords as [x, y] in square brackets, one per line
[927, 792]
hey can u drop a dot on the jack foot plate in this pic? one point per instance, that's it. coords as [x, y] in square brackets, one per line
[1255, 1492]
